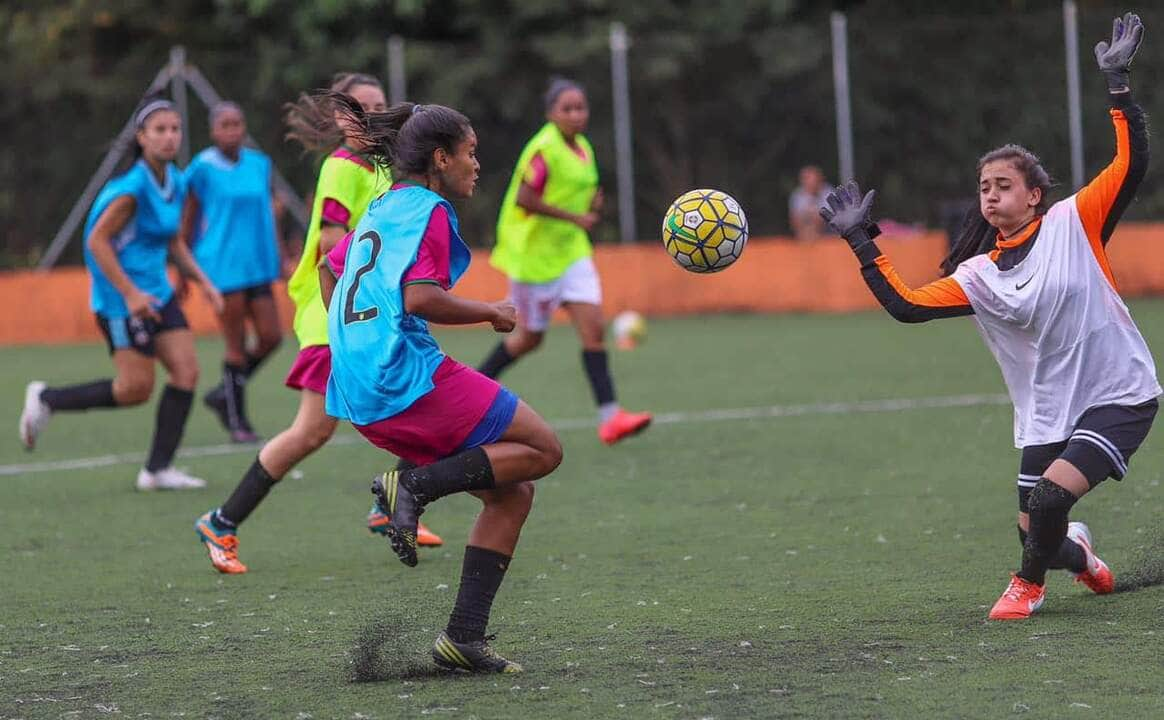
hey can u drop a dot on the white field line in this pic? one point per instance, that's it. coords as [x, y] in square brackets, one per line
[694, 416]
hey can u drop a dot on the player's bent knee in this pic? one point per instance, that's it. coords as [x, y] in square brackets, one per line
[133, 391]
[1048, 500]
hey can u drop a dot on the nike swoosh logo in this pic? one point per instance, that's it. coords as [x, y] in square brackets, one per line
[674, 226]
[1020, 286]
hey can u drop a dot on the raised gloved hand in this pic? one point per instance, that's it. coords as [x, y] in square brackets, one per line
[847, 213]
[1115, 58]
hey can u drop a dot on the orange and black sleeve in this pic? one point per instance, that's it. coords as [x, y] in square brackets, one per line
[1101, 203]
[942, 298]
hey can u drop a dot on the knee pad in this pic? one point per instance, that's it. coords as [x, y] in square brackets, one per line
[1048, 500]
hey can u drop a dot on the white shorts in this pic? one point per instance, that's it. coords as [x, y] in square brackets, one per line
[536, 302]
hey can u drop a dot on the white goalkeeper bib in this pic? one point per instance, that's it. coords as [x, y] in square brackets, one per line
[1061, 334]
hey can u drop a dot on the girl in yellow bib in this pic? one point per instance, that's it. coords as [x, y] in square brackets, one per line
[348, 181]
[543, 246]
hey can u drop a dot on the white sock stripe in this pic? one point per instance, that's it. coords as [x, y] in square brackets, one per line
[1032, 478]
[1027, 483]
[1105, 445]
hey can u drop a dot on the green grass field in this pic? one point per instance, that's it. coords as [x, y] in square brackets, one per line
[831, 556]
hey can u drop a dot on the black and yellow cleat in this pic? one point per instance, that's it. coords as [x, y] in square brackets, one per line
[475, 656]
[403, 511]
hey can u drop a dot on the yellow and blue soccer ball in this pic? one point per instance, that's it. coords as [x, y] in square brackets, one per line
[705, 230]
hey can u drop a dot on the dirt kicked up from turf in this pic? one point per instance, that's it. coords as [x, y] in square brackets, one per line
[1147, 566]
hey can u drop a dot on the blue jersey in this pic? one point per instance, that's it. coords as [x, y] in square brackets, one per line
[143, 244]
[382, 358]
[234, 241]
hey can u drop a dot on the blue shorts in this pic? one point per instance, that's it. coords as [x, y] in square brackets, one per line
[497, 420]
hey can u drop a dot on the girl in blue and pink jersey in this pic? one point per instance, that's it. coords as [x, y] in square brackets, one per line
[464, 432]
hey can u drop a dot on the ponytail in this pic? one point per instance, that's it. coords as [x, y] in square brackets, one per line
[405, 136]
[311, 118]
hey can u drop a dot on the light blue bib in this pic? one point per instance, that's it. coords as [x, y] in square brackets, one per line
[382, 358]
[143, 244]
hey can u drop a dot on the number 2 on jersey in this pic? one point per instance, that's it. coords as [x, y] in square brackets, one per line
[352, 315]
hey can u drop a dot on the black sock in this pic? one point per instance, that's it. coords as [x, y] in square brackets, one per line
[497, 361]
[173, 409]
[468, 470]
[248, 494]
[1049, 506]
[234, 380]
[254, 361]
[402, 465]
[97, 394]
[598, 372]
[1069, 557]
[481, 575]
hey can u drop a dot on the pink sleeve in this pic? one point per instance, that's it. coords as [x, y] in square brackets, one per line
[335, 212]
[432, 259]
[536, 174]
[338, 254]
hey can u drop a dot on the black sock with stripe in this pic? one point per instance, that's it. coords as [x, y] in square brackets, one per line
[247, 495]
[97, 394]
[481, 576]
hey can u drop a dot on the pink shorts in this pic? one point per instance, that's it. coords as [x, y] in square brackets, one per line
[438, 424]
[311, 369]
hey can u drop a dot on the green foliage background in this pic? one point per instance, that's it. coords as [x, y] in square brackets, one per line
[735, 95]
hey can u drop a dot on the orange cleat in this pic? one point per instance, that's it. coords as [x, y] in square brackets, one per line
[1018, 602]
[622, 425]
[1098, 576]
[221, 543]
[378, 523]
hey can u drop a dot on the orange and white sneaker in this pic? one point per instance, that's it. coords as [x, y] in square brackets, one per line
[1098, 576]
[622, 425]
[221, 543]
[1021, 598]
[378, 523]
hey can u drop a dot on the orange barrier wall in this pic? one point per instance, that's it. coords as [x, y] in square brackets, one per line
[774, 275]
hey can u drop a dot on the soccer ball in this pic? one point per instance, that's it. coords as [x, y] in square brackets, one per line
[630, 329]
[705, 230]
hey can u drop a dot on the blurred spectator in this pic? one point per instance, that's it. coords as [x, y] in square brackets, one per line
[804, 203]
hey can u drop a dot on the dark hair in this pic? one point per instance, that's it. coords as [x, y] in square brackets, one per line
[406, 135]
[145, 109]
[977, 235]
[221, 107]
[557, 86]
[311, 118]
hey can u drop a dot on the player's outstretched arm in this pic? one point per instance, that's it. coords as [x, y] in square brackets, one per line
[1102, 201]
[433, 303]
[848, 214]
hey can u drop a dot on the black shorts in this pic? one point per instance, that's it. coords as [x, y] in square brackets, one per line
[1100, 446]
[133, 333]
[254, 292]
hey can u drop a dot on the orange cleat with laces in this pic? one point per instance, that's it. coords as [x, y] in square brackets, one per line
[1021, 598]
[221, 543]
[622, 425]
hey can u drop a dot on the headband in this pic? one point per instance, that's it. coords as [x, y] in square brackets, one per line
[149, 109]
